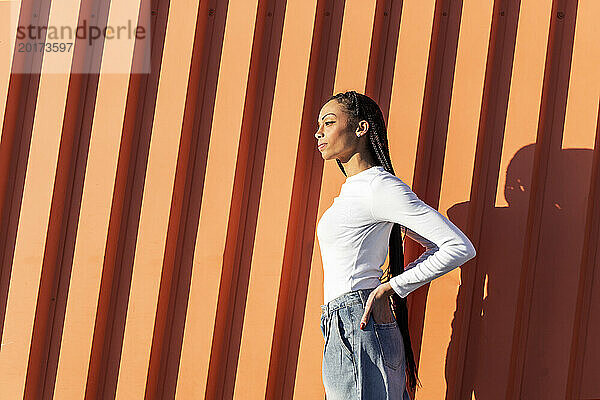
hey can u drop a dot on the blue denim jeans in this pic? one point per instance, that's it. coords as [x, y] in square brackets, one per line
[366, 364]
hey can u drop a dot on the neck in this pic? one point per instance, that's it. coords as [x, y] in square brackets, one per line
[356, 164]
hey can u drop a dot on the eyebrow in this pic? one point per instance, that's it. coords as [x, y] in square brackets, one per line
[322, 118]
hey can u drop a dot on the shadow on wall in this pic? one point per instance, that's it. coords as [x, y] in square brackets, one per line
[499, 265]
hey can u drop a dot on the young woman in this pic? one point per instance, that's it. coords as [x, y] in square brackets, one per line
[364, 320]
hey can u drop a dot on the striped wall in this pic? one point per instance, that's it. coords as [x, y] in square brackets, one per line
[157, 227]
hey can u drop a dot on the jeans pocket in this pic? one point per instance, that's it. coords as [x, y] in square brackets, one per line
[344, 335]
[325, 329]
[390, 343]
[385, 319]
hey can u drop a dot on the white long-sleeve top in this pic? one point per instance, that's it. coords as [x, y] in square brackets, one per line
[353, 235]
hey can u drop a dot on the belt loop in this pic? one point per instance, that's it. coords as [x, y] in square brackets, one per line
[364, 295]
[326, 309]
[361, 294]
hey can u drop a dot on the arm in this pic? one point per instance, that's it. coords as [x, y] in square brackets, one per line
[446, 246]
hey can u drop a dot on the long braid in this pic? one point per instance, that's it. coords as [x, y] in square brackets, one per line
[359, 107]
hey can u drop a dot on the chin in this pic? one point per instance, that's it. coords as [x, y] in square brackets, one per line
[328, 156]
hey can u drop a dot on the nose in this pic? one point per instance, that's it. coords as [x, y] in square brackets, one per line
[318, 134]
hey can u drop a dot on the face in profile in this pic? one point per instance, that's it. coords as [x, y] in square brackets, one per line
[335, 139]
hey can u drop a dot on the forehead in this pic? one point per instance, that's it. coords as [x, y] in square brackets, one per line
[332, 106]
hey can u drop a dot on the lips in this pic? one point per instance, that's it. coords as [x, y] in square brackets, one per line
[321, 146]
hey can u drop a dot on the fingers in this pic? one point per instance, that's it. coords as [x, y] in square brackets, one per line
[367, 313]
[381, 307]
[365, 318]
[383, 313]
[379, 300]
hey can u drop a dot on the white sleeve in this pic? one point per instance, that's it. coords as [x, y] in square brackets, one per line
[446, 246]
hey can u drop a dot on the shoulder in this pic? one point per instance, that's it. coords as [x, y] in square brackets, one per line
[392, 199]
[390, 192]
[384, 181]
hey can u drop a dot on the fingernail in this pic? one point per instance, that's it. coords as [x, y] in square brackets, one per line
[362, 325]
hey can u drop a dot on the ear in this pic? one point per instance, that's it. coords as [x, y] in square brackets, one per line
[362, 128]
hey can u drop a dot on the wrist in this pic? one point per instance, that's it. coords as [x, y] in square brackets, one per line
[387, 289]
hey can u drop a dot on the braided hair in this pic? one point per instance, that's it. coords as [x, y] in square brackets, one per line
[360, 107]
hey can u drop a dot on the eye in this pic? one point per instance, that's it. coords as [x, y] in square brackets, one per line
[329, 122]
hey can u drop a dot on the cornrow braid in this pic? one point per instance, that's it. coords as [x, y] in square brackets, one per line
[379, 151]
[361, 107]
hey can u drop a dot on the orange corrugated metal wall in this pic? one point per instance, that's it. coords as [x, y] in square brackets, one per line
[157, 234]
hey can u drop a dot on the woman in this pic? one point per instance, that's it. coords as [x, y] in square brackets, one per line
[364, 320]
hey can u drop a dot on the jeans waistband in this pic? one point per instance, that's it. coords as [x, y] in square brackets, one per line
[358, 296]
